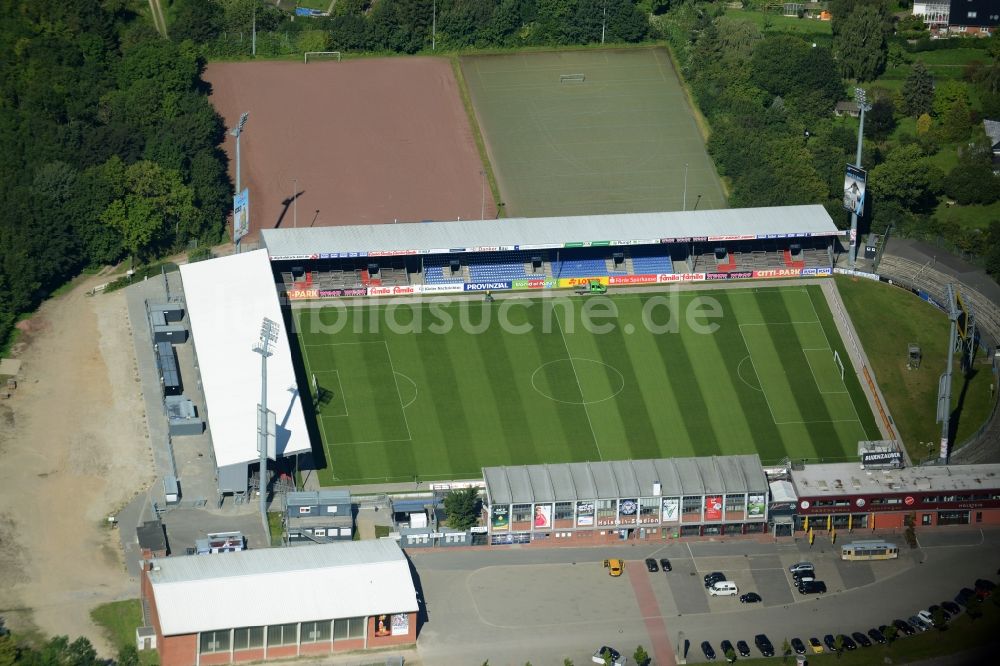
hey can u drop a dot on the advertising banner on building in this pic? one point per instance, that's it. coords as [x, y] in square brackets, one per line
[732, 275]
[667, 278]
[755, 505]
[533, 283]
[383, 626]
[543, 516]
[713, 507]
[307, 294]
[405, 290]
[628, 508]
[855, 179]
[241, 215]
[400, 624]
[440, 288]
[671, 509]
[500, 517]
[582, 282]
[584, 514]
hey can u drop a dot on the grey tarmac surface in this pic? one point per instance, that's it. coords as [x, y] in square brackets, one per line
[544, 605]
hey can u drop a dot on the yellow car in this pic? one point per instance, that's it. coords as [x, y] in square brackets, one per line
[816, 646]
[615, 567]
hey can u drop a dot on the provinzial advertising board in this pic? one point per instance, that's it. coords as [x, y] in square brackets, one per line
[487, 286]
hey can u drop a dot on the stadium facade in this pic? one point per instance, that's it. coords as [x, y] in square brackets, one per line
[280, 603]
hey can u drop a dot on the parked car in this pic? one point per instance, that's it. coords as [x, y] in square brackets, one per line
[798, 646]
[713, 578]
[963, 596]
[801, 566]
[830, 642]
[984, 588]
[951, 607]
[876, 636]
[665, 565]
[815, 645]
[616, 658]
[728, 648]
[861, 639]
[847, 642]
[904, 626]
[750, 598]
[706, 649]
[615, 567]
[743, 648]
[812, 587]
[938, 607]
[803, 576]
[651, 565]
[764, 645]
[918, 623]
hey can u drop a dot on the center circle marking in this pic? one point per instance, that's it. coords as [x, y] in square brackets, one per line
[570, 367]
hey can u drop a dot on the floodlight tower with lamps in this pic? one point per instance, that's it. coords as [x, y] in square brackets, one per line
[863, 105]
[265, 418]
[236, 132]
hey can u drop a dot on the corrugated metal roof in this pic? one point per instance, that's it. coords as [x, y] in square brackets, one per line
[624, 479]
[520, 232]
[316, 582]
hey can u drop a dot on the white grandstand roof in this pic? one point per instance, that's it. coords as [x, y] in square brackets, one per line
[281, 585]
[227, 300]
[522, 233]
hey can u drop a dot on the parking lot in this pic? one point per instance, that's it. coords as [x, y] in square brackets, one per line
[544, 605]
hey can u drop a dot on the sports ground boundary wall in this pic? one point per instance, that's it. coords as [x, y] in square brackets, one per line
[928, 283]
[536, 284]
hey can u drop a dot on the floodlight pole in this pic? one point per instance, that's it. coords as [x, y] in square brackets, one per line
[604, 21]
[859, 95]
[434, 24]
[482, 208]
[236, 132]
[268, 337]
[295, 203]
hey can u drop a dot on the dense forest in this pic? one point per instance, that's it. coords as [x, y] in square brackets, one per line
[108, 146]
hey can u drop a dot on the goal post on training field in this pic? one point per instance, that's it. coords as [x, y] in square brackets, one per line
[839, 362]
[572, 78]
[320, 55]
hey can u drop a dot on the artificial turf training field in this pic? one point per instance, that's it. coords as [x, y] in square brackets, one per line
[395, 404]
[614, 142]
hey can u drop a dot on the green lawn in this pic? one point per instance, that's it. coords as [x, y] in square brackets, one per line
[120, 619]
[961, 635]
[616, 141]
[887, 320]
[396, 404]
[971, 216]
[778, 23]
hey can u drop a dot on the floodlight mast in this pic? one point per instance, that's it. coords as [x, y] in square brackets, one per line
[863, 105]
[268, 337]
[236, 131]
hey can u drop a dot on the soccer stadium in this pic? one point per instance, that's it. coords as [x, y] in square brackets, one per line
[545, 340]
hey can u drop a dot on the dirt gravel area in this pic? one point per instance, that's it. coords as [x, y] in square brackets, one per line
[362, 142]
[74, 445]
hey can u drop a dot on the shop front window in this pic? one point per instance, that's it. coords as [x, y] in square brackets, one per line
[953, 518]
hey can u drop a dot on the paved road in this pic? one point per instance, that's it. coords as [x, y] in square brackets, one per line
[544, 605]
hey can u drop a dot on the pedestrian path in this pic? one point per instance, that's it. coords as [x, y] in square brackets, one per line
[661, 651]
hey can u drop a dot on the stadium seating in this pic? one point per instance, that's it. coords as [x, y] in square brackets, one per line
[437, 270]
[498, 266]
[651, 259]
[583, 263]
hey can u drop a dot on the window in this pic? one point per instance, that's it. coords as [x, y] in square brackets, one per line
[345, 531]
[606, 512]
[319, 531]
[736, 502]
[691, 505]
[340, 629]
[331, 509]
[564, 511]
[348, 627]
[282, 634]
[214, 641]
[972, 15]
[305, 509]
[925, 519]
[248, 638]
[521, 513]
[649, 509]
[316, 632]
[953, 518]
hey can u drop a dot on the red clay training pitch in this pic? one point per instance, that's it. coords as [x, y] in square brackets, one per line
[362, 142]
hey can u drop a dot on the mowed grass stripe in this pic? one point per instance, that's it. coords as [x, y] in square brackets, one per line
[754, 412]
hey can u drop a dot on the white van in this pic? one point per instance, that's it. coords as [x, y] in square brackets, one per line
[724, 588]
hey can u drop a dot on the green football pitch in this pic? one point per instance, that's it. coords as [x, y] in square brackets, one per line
[435, 391]
[590, 132]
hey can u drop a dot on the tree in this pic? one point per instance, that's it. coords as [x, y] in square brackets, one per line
[974, 606]
[838, 644]
[907, 178]
[972, 184]
[730, 654]
[197, 20]
[939, 619]
[860, 44]
[946, 93]
[918, 91]
[462, 507]
[641, 656]
[890, 633]
[8, 650]
[924, 124]
[786, 649]
[880, 120]
[956, 121]
[128, 655]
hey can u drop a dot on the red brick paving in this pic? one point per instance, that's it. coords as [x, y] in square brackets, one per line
[661, 651]
[368, 141]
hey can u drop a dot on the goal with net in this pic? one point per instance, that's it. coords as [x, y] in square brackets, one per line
[839, 362]
[310, 56]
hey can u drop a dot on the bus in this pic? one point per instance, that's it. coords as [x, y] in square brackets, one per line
[869, 550]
